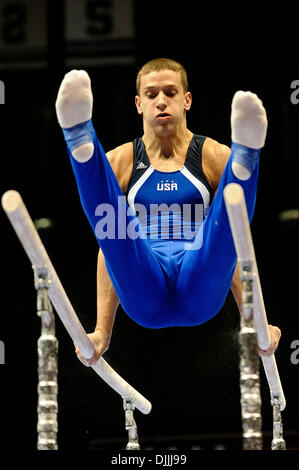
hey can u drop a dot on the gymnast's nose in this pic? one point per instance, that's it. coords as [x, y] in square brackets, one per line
[161, 102]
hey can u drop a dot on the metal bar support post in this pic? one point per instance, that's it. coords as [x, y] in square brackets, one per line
[249, 366]
[47, 347]
[131, 426]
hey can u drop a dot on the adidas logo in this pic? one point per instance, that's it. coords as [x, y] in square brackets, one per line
[140, 166]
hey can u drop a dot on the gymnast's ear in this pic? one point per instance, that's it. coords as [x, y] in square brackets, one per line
[138, 104]
[188, 101]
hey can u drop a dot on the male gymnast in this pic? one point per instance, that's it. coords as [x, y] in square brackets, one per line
[179, 276]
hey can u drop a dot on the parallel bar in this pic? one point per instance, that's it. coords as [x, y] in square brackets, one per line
[237, 213]
[20, 219]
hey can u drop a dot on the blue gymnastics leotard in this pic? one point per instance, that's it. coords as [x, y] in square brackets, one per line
[165, 274]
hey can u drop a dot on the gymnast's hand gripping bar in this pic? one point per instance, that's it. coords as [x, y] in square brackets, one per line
[19, 217]
[239, 223]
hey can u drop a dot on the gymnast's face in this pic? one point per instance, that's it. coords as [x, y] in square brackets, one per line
[163, 102]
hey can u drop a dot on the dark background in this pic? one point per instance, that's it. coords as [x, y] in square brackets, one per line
[190, 375]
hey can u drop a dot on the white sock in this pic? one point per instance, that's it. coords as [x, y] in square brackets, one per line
[249, 126]
[74, 106]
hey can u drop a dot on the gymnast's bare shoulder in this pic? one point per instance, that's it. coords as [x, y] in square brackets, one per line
[214, 159]
[121, 161]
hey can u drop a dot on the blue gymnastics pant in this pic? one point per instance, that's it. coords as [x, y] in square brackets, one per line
[160, 283]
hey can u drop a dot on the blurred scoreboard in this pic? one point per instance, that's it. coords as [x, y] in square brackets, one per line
[99, 31]
[92, 32]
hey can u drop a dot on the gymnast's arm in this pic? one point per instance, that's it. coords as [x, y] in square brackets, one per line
[121, 161]
[107, 303]
[214, 159]
[274, 331]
